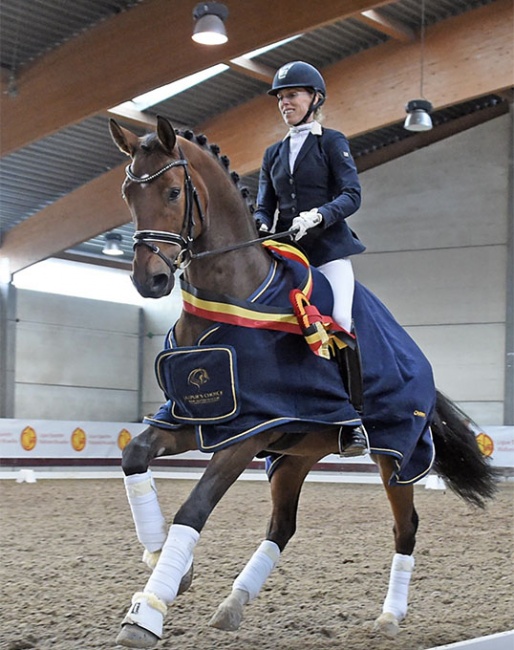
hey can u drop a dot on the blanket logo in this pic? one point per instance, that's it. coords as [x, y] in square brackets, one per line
[198, 377]
[200, 382]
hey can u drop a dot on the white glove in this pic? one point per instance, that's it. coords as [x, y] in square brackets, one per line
[263, 228]
[304, 221]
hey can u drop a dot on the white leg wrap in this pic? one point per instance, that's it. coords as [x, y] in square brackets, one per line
[258, 569]
[175, 559]
[146, 511]
[398, 592]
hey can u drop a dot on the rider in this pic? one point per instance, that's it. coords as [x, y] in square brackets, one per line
[310, 178]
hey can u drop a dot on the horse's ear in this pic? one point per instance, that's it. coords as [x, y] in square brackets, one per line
[166, 134]
[124, 139]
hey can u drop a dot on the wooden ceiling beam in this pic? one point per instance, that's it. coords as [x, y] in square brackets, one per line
[426, 138]
[145, 48]
[132, 116]
[252, 69]
[393, 28]
[85, 213]
[465, 57]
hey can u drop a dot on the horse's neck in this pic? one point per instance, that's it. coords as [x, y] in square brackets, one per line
[236, 273]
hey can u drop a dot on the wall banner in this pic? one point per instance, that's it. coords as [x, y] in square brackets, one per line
[61, 439]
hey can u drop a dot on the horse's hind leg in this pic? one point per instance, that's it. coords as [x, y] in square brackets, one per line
[401, 499]
[286, 485]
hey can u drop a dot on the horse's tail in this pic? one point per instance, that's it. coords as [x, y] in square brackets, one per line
[458, 457]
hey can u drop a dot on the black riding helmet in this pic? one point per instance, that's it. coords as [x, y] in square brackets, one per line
[299, 74]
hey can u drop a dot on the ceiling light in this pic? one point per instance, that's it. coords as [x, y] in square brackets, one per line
[418, 118]
[112, 244]
[209, 26]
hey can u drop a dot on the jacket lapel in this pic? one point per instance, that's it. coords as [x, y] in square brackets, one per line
[284, 154]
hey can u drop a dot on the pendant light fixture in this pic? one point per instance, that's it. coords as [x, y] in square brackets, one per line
[112, 244]
[209, 28]
[418, 110]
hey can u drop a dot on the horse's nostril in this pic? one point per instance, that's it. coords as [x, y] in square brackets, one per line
[160, 281]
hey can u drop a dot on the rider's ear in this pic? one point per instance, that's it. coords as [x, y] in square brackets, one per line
[166, 134]
[124, 139]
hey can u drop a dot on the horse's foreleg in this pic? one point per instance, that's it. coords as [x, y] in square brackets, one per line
[142, 627]
[286, 484]
[401, 499]
[140, 487]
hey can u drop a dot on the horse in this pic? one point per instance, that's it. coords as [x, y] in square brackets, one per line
[190, 215]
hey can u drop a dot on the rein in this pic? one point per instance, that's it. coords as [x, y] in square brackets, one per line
[185, 256]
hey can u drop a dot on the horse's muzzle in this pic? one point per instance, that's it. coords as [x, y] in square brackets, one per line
[152, 275]
[156, 286]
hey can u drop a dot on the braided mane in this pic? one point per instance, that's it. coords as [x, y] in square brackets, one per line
[202, 141]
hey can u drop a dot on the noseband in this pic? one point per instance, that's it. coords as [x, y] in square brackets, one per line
[185, 241]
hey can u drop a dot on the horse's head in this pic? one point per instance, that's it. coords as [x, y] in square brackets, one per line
[166, 206]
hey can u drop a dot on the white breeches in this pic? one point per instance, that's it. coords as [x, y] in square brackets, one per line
[340, 275]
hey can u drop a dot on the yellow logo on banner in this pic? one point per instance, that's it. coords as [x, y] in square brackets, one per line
[485, 444]
[28, 438]
[78, 439]
[124, 438]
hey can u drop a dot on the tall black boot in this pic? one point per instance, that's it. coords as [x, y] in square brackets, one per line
[353, 442]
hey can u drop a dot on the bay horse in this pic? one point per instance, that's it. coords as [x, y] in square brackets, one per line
[189, 214]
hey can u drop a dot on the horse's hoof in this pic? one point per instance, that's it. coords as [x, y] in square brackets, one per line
[228, 616]
[387, 624]
[186, 581]
[133, 636]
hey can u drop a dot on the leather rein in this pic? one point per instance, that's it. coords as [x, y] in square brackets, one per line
[150, 238]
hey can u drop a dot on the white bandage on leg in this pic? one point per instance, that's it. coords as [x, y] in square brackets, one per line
[146, 511]
[396, 601]
[259, 567]
[174, 562]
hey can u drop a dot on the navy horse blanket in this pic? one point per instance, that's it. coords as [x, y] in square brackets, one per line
[241, 379]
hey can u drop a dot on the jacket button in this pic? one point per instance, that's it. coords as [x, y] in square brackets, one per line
[293, 195]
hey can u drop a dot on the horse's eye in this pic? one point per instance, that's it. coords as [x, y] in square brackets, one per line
[174, 193]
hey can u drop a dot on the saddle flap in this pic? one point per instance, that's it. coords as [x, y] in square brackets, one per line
[200, 382]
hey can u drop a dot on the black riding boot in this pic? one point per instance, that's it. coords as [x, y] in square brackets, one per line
[353, 442]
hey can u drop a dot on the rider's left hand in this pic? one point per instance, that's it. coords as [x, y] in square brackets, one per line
[304, 221]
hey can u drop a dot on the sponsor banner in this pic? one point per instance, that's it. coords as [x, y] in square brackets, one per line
[61, 439]
[64, 439]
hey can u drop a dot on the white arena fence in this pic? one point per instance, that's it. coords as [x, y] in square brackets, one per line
[50, 444]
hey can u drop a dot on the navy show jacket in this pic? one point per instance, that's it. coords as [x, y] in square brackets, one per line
[324, 177]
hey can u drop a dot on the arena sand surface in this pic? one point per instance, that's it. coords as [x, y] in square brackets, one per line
[71, 562]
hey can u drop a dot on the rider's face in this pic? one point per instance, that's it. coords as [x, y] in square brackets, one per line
[293, 104]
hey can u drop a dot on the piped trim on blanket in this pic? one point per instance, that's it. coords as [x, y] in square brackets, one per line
[200, 382]
[322, 334]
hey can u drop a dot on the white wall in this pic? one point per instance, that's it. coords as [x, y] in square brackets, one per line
[75, 358]
[435, 226]
[159, 317]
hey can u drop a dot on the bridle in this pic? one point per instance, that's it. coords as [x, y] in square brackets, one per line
[185, 238]
[185, 256]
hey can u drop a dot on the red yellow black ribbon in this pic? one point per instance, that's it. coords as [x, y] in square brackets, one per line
[305, 319]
